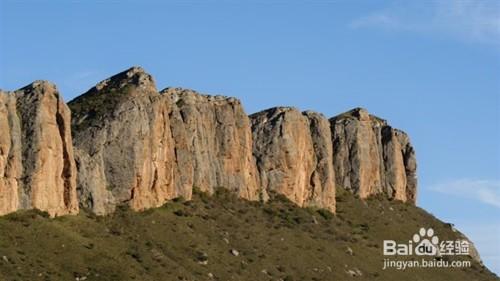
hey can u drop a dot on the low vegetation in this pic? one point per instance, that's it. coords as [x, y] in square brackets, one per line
[220, 237]
[92, 107]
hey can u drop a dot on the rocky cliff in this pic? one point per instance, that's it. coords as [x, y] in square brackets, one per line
[143, 147]
[213, 135]
[135, 145]
[124, 147]
[371, 157]
[124, 142]
[294, 155]
[37, 165]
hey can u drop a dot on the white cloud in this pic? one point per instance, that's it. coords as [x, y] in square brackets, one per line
[485, 191]
[475, 21]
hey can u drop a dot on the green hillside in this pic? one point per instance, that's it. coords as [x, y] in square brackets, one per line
[220, 238]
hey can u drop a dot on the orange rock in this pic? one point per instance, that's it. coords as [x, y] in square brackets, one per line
[39, 168]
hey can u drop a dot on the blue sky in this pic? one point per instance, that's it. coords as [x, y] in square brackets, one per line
[432, 68]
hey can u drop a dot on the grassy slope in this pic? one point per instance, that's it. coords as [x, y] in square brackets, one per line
[275, 241]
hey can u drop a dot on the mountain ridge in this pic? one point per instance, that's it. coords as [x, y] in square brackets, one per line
[139, 146]
[124, 144]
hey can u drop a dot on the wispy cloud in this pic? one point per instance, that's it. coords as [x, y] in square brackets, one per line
[485, 191]
[475, 21]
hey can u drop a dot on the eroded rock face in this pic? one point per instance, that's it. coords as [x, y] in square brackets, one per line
[36, 152]
[323, 177]
[294, 156]
[125, 150]
[10, 154]
[213, 142]
[137, 146]
[370, 157]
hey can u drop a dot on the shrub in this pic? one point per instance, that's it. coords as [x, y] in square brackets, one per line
[327, 215]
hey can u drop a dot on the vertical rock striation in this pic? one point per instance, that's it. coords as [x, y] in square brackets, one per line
[36, 151]
[141, 147]
[371, 157]
[294, 156]
[214, 142]
[125, 150]
[323, 178]
[10, 154]
[137, 146]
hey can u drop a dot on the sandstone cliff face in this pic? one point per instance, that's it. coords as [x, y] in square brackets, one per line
[136, 146]
[294, 156]
[140, 147]
[10, 154]
[144, 148]
[36, 152]
[125, 151]
[371, 157]
[213, 135]
[323, 177]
